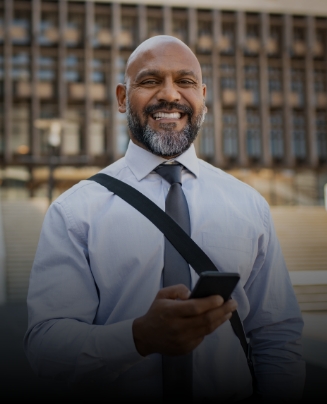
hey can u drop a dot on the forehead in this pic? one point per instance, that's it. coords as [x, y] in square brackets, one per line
[166, 58]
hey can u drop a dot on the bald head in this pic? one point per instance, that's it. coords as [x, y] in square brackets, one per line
[161, 45]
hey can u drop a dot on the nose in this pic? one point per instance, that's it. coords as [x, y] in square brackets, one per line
[168, 91]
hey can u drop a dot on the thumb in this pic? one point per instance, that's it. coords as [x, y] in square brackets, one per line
[174, 292]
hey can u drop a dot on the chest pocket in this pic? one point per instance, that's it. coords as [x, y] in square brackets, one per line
[231, 253]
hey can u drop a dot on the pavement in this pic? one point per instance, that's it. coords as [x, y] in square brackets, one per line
[17, 381]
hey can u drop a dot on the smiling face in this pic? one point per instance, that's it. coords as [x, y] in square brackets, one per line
[163, 96]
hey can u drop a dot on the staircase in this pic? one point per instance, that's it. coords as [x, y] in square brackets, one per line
[302, 232]
[22, 221]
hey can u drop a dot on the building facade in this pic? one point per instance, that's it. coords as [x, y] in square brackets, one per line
[265, 70]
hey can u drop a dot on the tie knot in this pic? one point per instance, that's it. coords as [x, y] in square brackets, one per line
[172, 173]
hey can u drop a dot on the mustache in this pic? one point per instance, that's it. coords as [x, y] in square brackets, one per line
[151, 109]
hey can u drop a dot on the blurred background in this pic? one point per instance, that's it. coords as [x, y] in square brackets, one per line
[265, 66]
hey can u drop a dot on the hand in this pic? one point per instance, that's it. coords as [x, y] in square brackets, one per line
[175, 325]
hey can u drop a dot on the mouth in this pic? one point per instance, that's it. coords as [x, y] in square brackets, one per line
[167, 115]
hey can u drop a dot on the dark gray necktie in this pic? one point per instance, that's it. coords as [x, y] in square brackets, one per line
[177, 370]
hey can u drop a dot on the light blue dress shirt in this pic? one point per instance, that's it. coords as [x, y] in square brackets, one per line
[99, 265]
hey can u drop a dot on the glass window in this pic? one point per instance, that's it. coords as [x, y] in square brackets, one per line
[230, 133]
[154, 26]
[299, 129]
[253, 131]
[251, 81]
[75, 29]
[47, 68]
[1, 28]
[207, 141]
[49, 33]
[275, 79]
[320, 80]
[128, 32]
[21, 74]
[20, 129]
[21, 27]
[297, 84]
[97, 130]
[102, 31]
[180, 28]
[276, 134]
[227, 45]
[321, 133]
[274, 41]
[207, 79]
[74, 69]
[1, 129]
[227, 76]
[71, 141]
[47, 111]
[252, 39]
[204, 36]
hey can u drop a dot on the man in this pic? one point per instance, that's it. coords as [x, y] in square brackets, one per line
[97, 306]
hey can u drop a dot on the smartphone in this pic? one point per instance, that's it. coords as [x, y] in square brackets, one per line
[215, 283]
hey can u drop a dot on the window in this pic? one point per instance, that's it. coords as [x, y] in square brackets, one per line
[97, 130]
[253, 139]
[275, 40]
[227, 76]
[227, 45]
[1, 129]
[47, 111]
[47, 68]
[205, 35]
[251, 82]
[276, 134]
[180, 28]
[320, 80]
[299, 129]
[252, 39]
[74, 69]
[1, 28]
[321, 133]
[75, 29]
[297, 85]
[102, 31]
[71, 142]
[207, 79]
[230, 133]
[275, 79]
[21, 74]
[20, 129]
[207, 141]
[128, 33]
[21, 27]
[49, 34]
[154, 21]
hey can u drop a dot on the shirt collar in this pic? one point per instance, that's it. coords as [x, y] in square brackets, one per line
[142, 162]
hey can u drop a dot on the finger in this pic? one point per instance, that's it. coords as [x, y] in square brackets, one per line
[207, 322]
[196, 307]
[174, 292]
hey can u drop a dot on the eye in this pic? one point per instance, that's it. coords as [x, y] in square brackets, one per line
[149, 82]
[187, 82]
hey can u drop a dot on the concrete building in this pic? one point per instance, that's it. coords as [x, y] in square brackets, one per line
[264, 62]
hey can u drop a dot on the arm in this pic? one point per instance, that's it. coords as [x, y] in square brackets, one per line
[274, 323]
[61, 341]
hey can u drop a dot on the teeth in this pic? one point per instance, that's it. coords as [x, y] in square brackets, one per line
[172, 115]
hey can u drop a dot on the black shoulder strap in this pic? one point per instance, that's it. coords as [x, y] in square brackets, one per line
[189, 250]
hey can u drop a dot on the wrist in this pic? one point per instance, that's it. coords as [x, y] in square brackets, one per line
[139, 338]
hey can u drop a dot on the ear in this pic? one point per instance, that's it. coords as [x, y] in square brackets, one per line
[121, 97]
[204, 90]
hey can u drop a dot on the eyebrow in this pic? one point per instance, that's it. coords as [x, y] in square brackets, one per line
[158, 73]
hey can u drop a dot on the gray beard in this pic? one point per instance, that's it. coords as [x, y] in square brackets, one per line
[166, 142]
